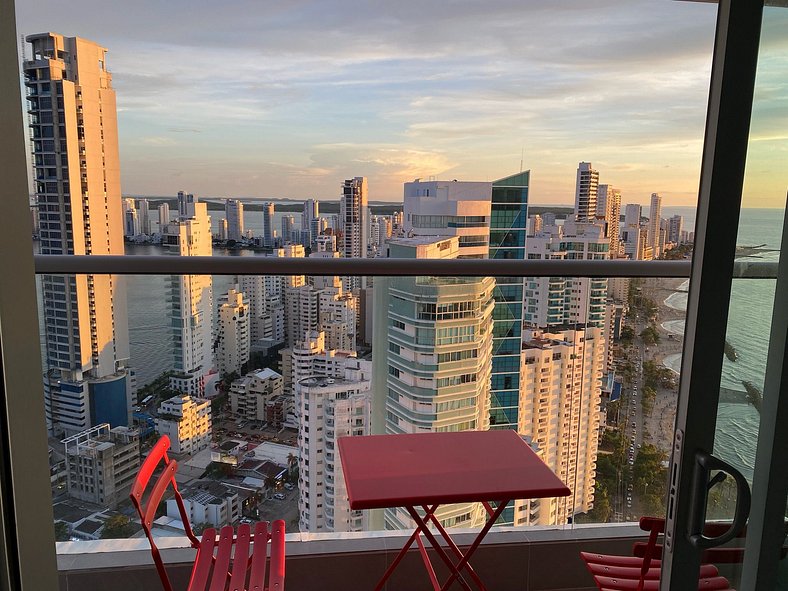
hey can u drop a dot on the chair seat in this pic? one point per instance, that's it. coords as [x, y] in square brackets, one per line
[615, 584]
[212, 570]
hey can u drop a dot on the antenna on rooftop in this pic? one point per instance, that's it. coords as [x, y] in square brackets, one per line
[522, 153]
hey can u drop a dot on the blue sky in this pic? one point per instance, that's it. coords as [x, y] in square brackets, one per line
[286, 99]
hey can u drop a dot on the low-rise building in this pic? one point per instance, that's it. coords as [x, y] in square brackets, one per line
[187, 422]
[258, 395]
[208, 502]
[102, 464]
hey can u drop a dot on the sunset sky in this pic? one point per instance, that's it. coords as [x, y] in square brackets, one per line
[285, 99]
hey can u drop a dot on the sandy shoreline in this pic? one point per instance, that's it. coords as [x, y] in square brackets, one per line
[659, 425]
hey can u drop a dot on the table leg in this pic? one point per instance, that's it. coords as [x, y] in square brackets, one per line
[428, 564]
[422, 525]
[456, 550]
[464, 561]
[402, 553]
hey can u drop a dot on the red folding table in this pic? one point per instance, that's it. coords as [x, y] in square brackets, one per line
[427, 470]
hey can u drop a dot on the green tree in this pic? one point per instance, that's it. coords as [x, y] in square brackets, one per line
[117, 526]
[61, 531]
[648, 397]
[269, 483]
[650, 335]
[627, 334]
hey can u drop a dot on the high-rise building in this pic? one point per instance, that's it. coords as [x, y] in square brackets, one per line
[450, 208]
[508, 230]
[322, 305]
[191, 298]
[432, 351]
[654, 219]
[631, 234]
[102, 463]
[560, 396]
[234, 214]
[535, 224]
[164, 216]
[337, 407]
[586, 192]
[675, 229]
[310, 357]
[224, 229]
[143, 207]
[310, 219]
[187, 422]
[288, 229]
[564, 356]
[232, 340]
[73, 127]
[131, 221]
[265, 297]
[608, 208]
[268, 224]
[353, 219]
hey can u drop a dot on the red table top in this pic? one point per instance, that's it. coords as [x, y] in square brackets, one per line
[428, 468]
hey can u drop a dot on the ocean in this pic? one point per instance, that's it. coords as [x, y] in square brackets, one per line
[749, 323]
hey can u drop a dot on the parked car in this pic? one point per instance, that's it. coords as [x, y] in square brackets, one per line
[289, 486]
[279, 496]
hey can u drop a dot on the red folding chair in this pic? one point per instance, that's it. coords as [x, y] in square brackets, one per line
[211, 570]
[641, 572]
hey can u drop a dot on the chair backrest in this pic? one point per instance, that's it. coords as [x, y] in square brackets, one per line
[724, 555]
[146, 507]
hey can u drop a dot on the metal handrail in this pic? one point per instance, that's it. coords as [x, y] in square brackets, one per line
[263, 265]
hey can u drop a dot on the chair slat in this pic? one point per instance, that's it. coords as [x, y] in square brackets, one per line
[613, 584]
[240, 558]
[276, 579]
[259, 556]
[202, 565]
[149, 466]
[165, 478]
[613, 560]
[220, 568]
[624, 572]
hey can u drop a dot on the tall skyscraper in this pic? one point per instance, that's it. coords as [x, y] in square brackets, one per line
[586, 192]
[310, 219]
[232, 338]
[131, 220]
[654, 218]
[234, 212]
[432, 355]
[353, 216]
[564, 357]
[675, 228]
[450, 208]
[143, 207]
[336, 407]
[73, 126]
[608, 208]
[508, 229]
[164, 216]
[191, 298]
[631, 234]
[268, 224]
[288, 228]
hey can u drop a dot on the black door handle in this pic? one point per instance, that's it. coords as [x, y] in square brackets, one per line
[705, 463]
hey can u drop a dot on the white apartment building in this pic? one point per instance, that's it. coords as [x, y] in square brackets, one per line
[102, 464]
[143, 208]
[322, 305]
[631, 234]
[311, 357]
[586, 188]
[654, 218]
[450, 208]
[551, 301]
[234, 214]
[608, 208]
[561, 380]
[232, 339]
[330, 408]
[131, 221]
[354, 223]
[432, 350]
[74, 135]
[191, 298]
[254, 397]
[208, 502]
[265, 297]
[187, 422]
[164, 216]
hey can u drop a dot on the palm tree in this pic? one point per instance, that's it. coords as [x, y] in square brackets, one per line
[292, 460]
[270, 484]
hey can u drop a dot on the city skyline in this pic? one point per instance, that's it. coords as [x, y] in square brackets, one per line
[288, 121]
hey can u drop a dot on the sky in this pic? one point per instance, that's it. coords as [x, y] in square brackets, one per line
[255, 98]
